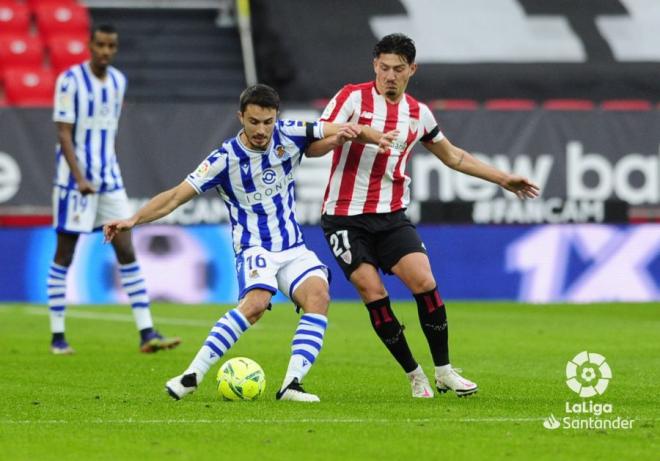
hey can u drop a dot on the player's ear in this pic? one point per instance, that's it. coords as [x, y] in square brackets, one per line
[239, 114]
[413, 69]
[375, 62]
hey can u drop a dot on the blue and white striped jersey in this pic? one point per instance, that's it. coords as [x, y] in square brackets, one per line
[93, 107]
[258, 186]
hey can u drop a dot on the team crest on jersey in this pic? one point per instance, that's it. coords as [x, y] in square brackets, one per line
[203, 169]
[414, 125]
[347, 257]
[280, 151]
[254, 274]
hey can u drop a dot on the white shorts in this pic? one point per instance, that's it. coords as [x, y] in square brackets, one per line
[74, 212]
[285, 270]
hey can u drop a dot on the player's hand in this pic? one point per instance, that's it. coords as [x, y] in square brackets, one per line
[522, 187]
[85, 187]
[386, 140]
[113, 228]
[347, 132]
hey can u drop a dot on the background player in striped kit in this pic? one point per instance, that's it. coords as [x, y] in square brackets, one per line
[364, 217]
[253, 174]
[89, 190]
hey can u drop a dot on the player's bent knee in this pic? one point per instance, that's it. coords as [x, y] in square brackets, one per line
[317, 302]
[424, 285]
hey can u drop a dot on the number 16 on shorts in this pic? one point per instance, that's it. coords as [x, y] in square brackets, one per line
[341, 246]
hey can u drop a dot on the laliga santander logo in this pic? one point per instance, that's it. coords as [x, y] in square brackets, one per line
[588, 374]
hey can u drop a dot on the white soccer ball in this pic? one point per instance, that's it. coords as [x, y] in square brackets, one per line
[241, 378]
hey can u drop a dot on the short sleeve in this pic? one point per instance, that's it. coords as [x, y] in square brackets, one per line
[340, 108]
[64, 106]
[208, 174]
[432, 132]
[301, 133]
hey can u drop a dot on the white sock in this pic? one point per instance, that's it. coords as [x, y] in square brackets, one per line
[133, 283]
[221, 338]
[442, 370]
[56, 289]
[305, 347]
[416, 372]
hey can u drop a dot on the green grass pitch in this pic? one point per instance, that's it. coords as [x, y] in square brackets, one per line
[107, 402]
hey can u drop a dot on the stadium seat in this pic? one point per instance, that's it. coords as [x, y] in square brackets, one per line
[20, 50]
[29, 87]
[53, 19]
[33, 4]
[67, 50]
[626, 104]
[14, 18]
[510, 104]
[568, 104]
[454, 104]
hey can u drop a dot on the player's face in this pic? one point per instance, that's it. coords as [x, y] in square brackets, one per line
[103, 48]
[392, 75]
[258, 125]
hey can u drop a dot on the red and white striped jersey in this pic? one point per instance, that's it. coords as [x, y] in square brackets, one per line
[362, 180]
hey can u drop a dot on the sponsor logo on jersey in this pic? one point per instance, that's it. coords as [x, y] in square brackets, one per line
[269, 176]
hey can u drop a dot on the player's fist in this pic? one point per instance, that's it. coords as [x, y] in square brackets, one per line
[347, 132]
[85, 187]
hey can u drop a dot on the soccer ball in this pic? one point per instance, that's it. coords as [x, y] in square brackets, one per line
[241, 379]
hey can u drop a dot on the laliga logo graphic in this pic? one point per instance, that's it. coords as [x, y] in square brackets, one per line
[588, 374]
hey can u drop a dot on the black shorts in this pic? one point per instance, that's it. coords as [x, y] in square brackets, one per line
[378, 239]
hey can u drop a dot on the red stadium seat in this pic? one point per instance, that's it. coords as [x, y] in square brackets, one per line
[62, 19]
[454, 104]
[34, 4]
[29, 87]
[568, 104]
[14, 18]
[67, 50]
[20, 51]
[626, 104]
[510, 104]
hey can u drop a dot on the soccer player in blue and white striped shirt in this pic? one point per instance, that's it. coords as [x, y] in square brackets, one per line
[88, 189]
[253, 174]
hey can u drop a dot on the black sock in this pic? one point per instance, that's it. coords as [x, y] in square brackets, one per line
[58, 337]
[433, 318]
[390, 332]
[145, 332]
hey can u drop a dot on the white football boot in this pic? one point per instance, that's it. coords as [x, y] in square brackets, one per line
[419, 383]
[295, 393]
[452, 381]
[182, 385]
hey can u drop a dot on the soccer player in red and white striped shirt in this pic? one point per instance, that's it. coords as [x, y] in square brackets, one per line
[364, 216]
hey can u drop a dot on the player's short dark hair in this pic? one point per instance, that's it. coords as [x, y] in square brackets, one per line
[104, 28]
[260, 95]
[396, 44]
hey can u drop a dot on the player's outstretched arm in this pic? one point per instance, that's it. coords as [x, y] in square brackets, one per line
[335, 136]
[338, 134]
[159, 206]
[461, 160]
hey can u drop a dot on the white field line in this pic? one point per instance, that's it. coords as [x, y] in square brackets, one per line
[119, 317]
[273, 421]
